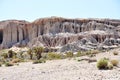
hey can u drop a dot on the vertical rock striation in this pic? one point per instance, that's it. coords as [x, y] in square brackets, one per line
[57, 32]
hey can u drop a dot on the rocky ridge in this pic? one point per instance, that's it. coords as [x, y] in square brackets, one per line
[60, 33]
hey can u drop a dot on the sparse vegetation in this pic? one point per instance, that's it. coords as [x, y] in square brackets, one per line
[36, 54]
[79, 53]
[52, 55]
[105, 63]
[11, 54]
[114, 62]
[4, 55]
[102, 64]
[16, 60]
[91, 53]
[38, 51]
[30, 53]
[69, 54]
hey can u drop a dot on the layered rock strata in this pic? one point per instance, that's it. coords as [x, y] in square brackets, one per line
[59, 32]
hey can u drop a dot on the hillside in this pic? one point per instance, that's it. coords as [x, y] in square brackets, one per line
[61, 34]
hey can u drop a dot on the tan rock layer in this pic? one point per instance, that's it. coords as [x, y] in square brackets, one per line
[15, 31]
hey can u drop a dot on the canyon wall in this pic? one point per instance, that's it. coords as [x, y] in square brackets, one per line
[60, 32]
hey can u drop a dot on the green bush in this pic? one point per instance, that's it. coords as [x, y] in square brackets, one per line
[69, 54]
[114, 62]
[91, 52]
[2, 60]
[4, 55]
[79, 53]
[52, 56]
[102, 64]
[8, 64]
[16, 60]
[30, 53]
[11, 54]
[38, 51]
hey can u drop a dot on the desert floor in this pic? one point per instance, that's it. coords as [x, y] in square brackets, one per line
[65, 69]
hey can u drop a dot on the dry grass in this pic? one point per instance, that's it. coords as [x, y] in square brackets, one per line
[115, 53]
[15, 60]
[110, 66]
[114, 62]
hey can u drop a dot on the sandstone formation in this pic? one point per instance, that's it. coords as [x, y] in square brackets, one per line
[63, 34]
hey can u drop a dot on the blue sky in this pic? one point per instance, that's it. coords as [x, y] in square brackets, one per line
[33, 9]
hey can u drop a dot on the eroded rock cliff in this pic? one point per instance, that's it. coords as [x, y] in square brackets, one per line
[75, 34]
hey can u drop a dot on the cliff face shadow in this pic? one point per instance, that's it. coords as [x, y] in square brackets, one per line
[1, 36]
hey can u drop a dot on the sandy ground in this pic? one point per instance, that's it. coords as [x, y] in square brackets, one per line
[61, 70]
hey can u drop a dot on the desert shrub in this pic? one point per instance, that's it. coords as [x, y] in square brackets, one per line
[115, 53]
[11, 54]
[30, 53]
[53, 56]
[8, 64]
[39, 61]
[38, 51]
[110, 66]
[16, 60]
[91, 52]
[2, 60]
[114, 62]
[4, 55]
[102, 64]
[69, 54]
[79, 53]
